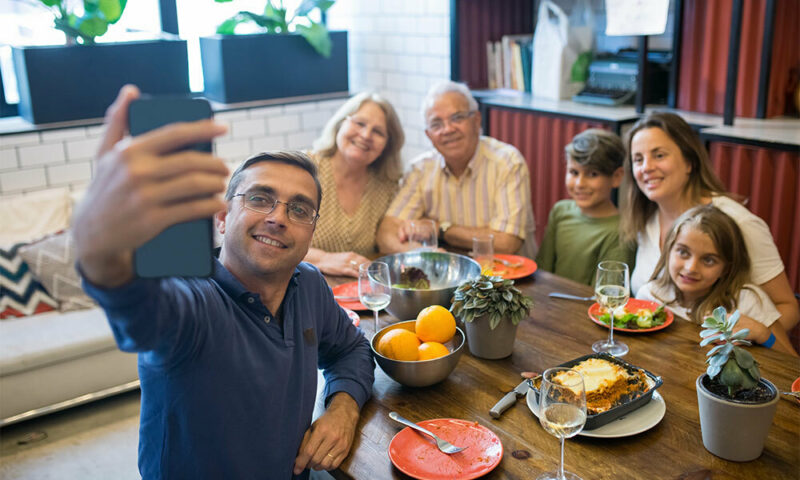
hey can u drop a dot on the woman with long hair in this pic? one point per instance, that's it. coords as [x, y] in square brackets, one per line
[667, 173]
[358, 156]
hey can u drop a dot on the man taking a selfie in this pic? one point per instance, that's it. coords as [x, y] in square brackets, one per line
[228, 364]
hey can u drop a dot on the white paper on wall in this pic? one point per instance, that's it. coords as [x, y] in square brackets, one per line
[636, 17]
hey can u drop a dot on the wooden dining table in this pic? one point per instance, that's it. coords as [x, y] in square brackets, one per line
[558, 331]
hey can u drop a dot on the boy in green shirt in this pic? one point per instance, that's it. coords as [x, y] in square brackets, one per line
[584, 231]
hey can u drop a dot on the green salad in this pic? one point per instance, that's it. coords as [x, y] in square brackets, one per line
[642, 318]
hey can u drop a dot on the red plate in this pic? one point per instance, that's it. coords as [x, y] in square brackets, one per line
[348, 290]
[796, 387]
[353, 316]
[416, 455]
[633, 305]
[528, 267]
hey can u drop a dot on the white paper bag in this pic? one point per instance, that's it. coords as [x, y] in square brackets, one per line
[561, 50]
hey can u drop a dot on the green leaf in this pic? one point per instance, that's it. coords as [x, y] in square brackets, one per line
[228, 27]
[223, 1]
[743, 358]
[754, 372]
[718, 360]
[715, 350]
[51, 3]
[308, 5]
[317, 35]
[732, 375]
[494, 320]
[707, 332]
[713, 370]
[92, 27]
[719, 314]
[111, 9]
[266, 21]
[709, 339]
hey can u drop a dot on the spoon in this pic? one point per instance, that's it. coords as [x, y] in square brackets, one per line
[792, 394]
[443, 445]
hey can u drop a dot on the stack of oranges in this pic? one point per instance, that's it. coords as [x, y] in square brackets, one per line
[435, 326]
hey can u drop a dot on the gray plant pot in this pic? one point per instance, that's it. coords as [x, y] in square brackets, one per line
[731, 430]
[490, 344]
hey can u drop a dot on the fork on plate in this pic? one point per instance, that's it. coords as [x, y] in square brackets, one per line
[443, 445]
[507, 263]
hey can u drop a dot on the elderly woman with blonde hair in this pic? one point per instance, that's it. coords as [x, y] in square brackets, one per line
[358, 157]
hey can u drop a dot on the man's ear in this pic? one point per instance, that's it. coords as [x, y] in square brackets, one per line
[219, 221]
[616, 177]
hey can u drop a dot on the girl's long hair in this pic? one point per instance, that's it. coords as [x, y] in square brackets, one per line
[727, 239]
[703, 182]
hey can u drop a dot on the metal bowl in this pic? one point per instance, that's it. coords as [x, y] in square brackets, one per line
[421, 373]
[446, 271]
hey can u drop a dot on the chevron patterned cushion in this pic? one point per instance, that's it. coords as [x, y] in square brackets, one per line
[52, 261]
[20, 294]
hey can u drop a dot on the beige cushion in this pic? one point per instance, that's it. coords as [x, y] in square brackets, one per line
[52, 261]
[34, 215]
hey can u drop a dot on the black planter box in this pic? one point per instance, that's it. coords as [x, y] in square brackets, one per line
[72, 82]
[242, 68]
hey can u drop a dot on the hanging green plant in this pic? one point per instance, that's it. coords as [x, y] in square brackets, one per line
[274, 20]
[97, 16]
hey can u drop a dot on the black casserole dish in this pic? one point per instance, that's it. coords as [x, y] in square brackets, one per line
[628, 404]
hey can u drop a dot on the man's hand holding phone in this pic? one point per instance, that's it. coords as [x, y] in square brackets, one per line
[143, 185]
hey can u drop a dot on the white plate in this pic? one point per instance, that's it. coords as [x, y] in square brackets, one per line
[640, 420]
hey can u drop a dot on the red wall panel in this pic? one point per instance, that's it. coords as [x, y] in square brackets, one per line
[481, 21]
[770, 180]
[704, 56]
[541, 139]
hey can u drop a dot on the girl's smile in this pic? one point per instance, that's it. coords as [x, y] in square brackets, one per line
[694, 263]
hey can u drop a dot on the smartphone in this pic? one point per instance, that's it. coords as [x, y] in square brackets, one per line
[184, 249]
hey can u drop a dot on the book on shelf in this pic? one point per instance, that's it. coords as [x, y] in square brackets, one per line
[517, 61]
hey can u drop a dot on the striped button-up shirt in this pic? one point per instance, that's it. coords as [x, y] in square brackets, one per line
[493, 192]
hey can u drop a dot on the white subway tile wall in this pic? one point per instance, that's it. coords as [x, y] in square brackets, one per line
[398, 49]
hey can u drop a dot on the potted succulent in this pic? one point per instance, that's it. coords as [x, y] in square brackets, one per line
[80, 79]
[736, 405]
[293, 56]
[491, 309]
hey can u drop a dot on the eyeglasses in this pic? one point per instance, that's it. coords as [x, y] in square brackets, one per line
[362, 125]
[298, 212]
[437, 125]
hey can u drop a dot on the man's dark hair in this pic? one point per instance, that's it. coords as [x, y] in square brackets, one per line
[288, 157]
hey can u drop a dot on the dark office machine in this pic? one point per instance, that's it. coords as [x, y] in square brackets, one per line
[612, 79]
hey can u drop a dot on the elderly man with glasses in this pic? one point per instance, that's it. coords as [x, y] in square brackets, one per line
[470, 185]
[228, 364]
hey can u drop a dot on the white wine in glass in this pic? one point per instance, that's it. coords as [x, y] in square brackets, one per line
[374, 287]
[562, 411]
[612, 287]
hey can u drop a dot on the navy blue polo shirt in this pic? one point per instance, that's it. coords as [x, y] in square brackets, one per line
[228, 391]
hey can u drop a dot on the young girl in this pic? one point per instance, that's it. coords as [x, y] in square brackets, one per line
[704, 264]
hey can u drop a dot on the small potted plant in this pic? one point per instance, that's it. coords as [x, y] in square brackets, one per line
[80, 79]
[736, 405]
[294, 55]
[491, 309]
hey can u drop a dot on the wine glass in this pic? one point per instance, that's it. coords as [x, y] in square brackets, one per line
[374, 287]
[562, 410]
[612, 287]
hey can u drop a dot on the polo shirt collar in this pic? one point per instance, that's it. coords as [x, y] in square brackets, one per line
[472, 165]
[233, 287]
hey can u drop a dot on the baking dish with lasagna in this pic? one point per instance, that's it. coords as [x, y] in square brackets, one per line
[613, 386]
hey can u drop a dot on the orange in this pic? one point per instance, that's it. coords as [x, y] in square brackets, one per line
[399, 344]
[431, 350]
[435, 324]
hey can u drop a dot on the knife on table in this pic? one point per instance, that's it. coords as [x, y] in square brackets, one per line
[509, 399]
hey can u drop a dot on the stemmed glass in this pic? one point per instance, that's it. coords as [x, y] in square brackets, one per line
[612, 287]
[374, 287]
[562, 410]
